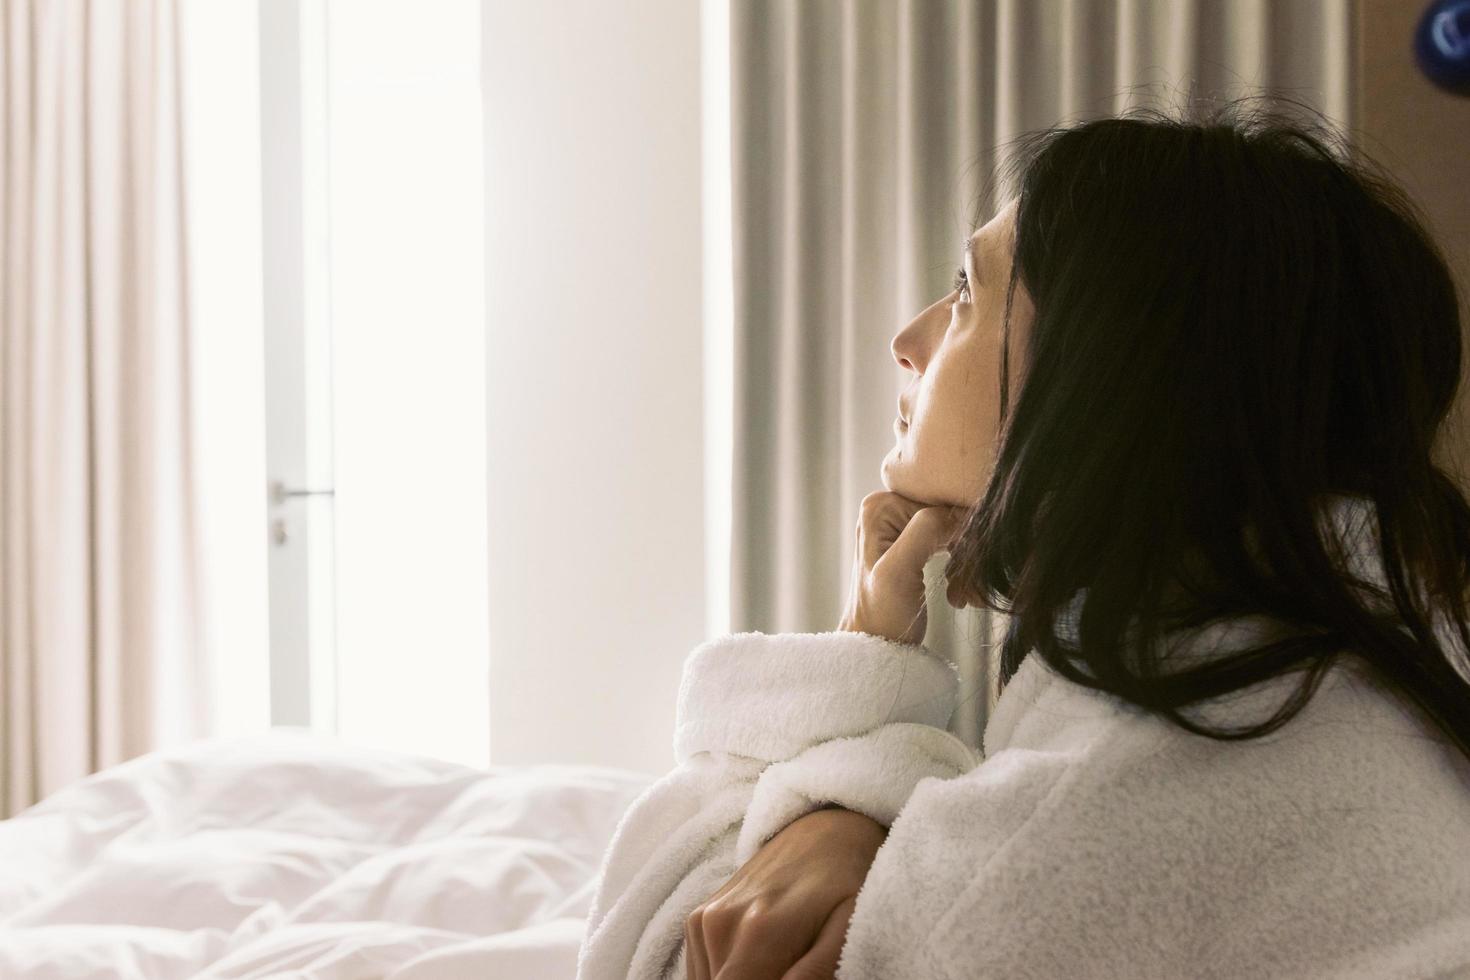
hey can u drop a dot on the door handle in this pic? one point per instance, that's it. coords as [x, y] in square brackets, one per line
[280, 493]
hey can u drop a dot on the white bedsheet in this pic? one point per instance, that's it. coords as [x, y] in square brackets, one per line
[293, 854]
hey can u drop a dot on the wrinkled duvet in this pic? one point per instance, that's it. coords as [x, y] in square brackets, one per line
[294, 854]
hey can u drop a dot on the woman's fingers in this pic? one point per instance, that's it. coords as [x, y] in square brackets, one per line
[896, 538]
[928, 531]
[763, 953]
[780, 904]
[695, 957]
[881, 518]
[820, 962]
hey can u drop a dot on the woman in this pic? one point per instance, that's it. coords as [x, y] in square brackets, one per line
[1234, 733]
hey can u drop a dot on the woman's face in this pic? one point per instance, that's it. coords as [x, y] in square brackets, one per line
[945, 453]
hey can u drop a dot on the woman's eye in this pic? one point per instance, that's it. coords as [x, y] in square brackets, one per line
[961, 283]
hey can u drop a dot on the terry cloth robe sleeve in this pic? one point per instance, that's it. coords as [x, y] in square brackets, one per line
[768, 728]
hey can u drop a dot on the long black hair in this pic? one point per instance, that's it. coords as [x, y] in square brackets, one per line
[1237, 315]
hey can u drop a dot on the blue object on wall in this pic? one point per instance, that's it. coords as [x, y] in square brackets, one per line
[1442, 45]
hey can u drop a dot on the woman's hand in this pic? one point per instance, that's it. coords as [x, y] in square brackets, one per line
[896, 537]
[784, 914]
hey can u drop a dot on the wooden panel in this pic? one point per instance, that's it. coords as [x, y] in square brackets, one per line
[1423, 135]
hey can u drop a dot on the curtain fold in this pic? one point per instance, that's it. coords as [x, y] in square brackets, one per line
[863, 136]
[98, 625]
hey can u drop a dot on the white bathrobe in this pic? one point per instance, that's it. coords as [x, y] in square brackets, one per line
[1093, 840]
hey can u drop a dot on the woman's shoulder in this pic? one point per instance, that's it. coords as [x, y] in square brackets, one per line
[1095, 825]
[1354, 729]
[1356, 770]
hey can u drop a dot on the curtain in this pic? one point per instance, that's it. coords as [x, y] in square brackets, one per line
[98, 633]
[863, 136]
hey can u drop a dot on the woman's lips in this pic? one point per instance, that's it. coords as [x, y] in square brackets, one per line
[900, 426]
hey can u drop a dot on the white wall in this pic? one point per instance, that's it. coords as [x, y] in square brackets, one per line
[595, 392]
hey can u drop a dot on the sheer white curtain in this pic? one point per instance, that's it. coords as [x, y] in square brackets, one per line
[99, 652]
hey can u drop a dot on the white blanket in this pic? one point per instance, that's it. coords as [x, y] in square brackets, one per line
[1093, 841]
[295, 854]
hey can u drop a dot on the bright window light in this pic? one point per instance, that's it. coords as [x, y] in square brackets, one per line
[405, 226]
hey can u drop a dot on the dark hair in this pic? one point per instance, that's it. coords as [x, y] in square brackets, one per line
[1235, 317]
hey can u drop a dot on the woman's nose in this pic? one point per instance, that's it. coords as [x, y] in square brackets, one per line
[899, 355]
[911, 347]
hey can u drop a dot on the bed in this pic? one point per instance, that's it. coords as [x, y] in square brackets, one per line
[294, 853]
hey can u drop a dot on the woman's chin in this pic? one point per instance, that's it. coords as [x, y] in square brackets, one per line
[897, 474]
[885, 468]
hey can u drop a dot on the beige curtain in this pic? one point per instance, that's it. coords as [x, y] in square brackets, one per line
[97, 628]
[863, 135]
